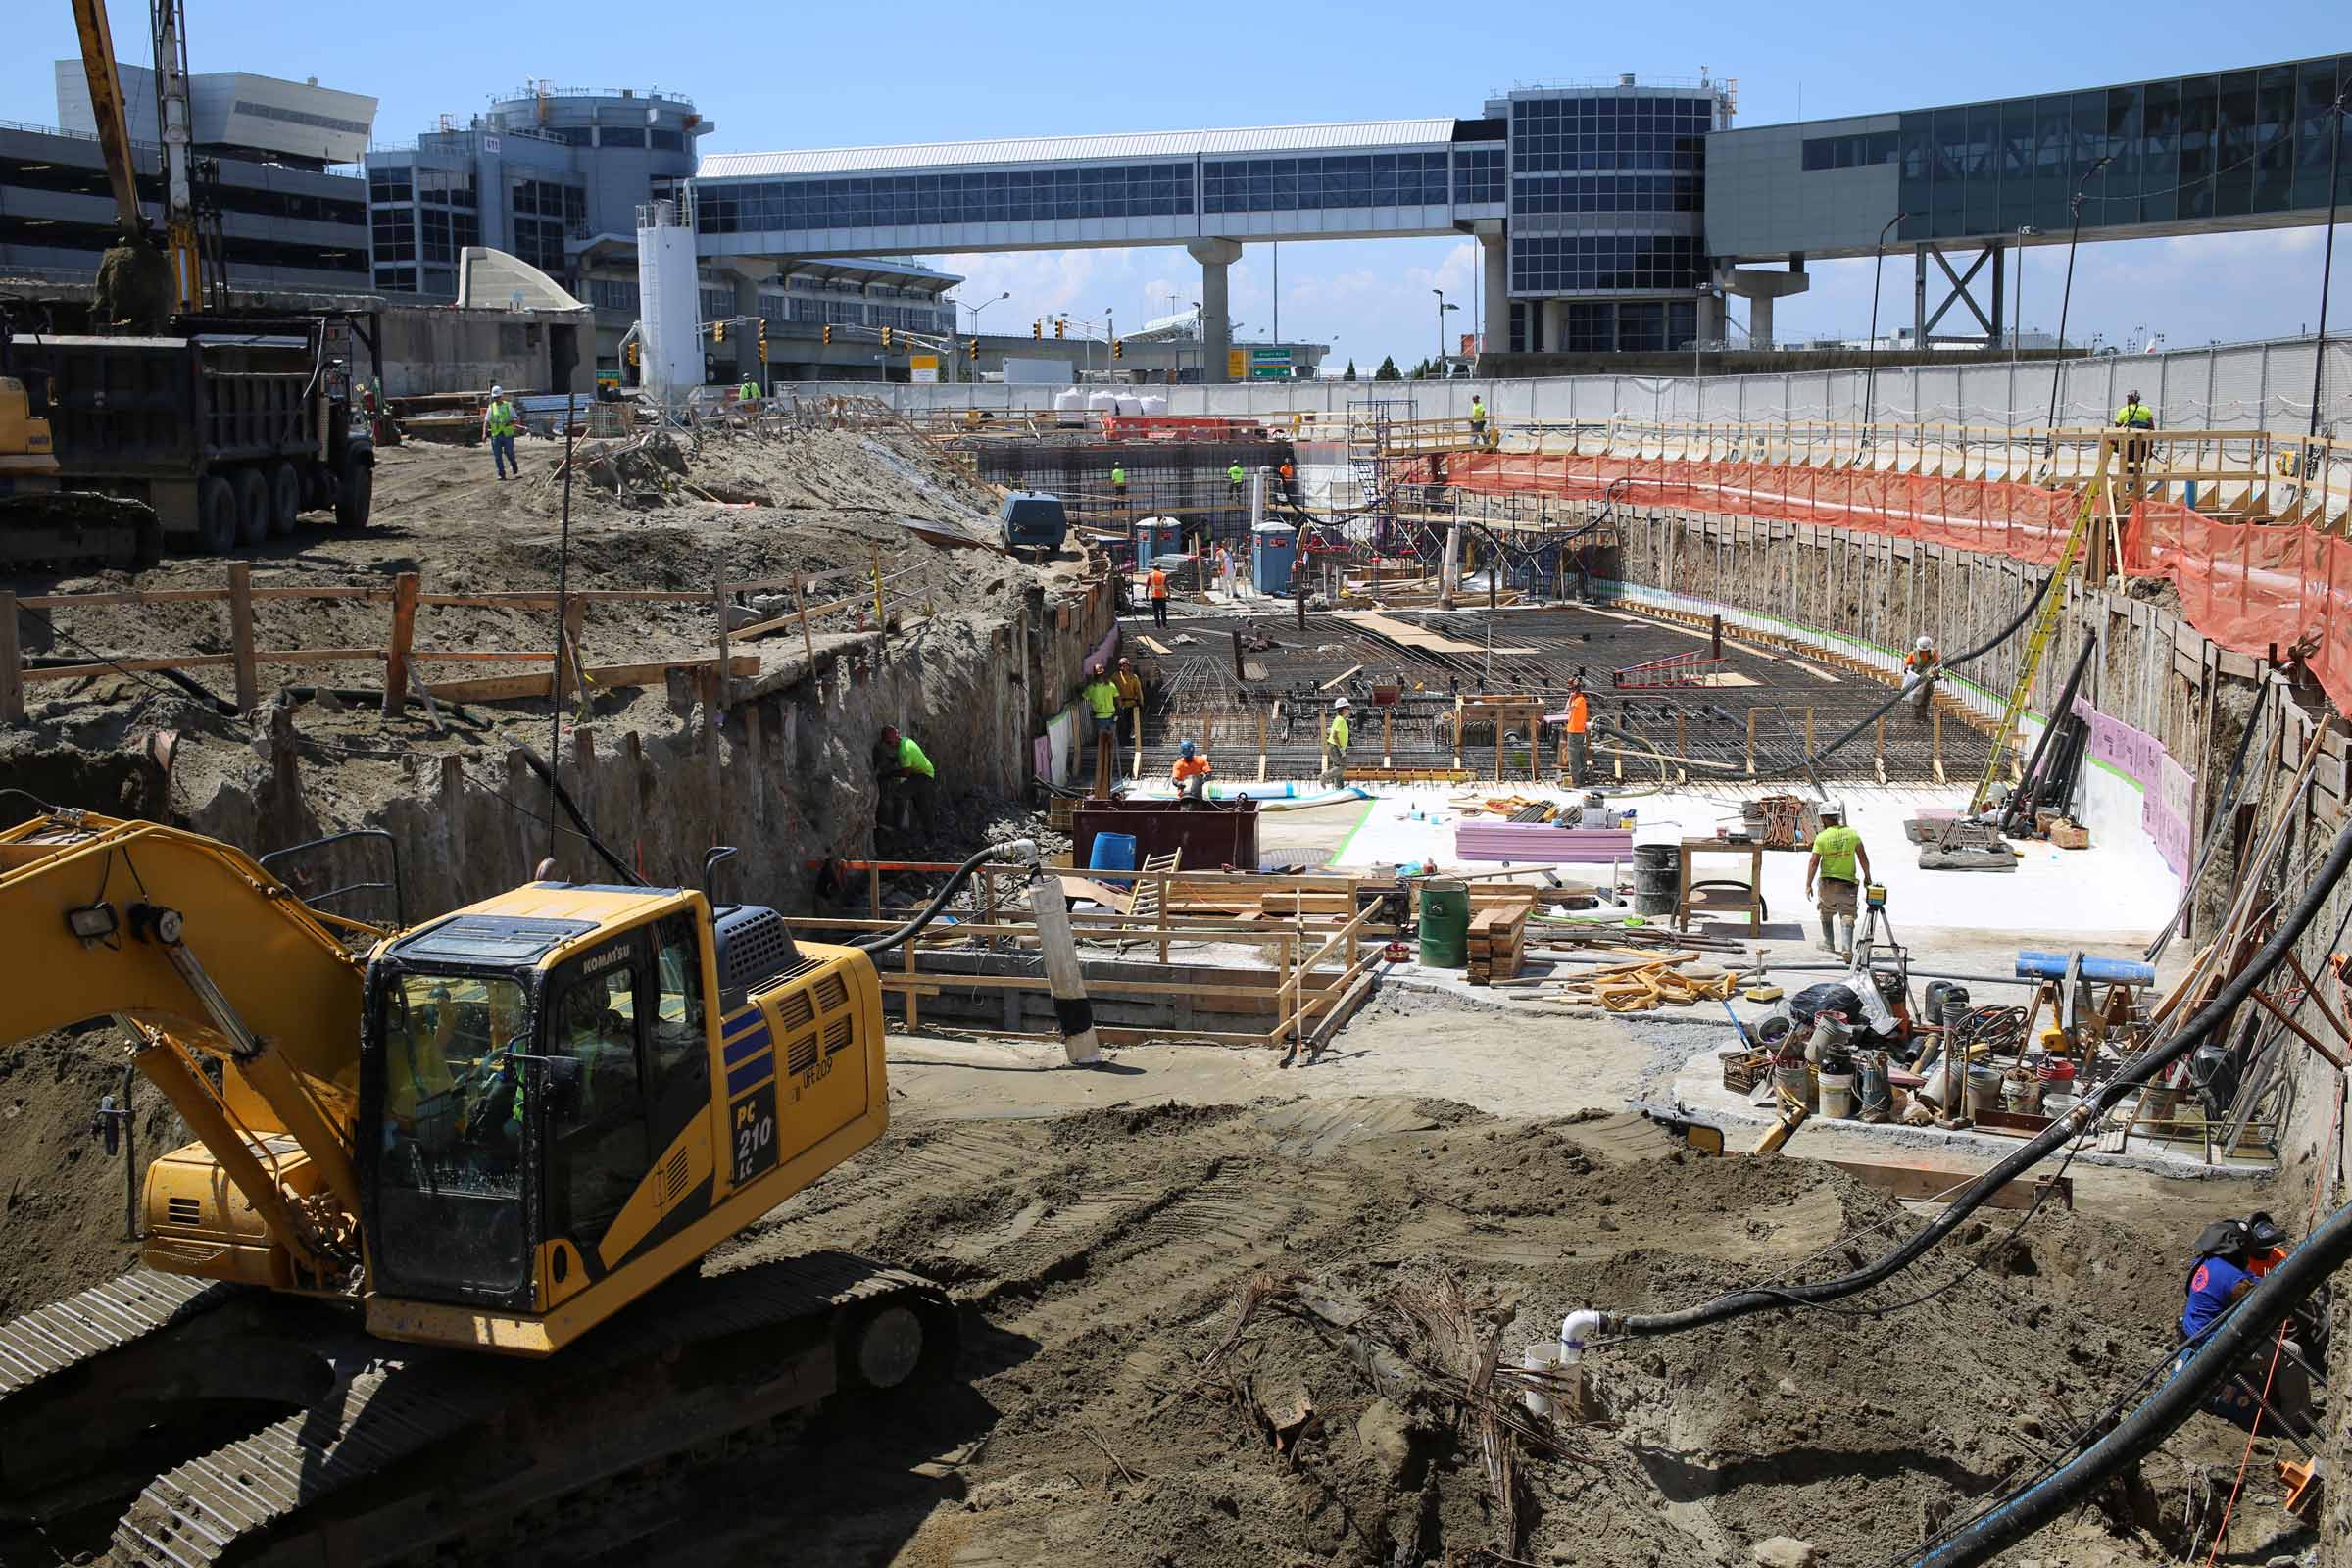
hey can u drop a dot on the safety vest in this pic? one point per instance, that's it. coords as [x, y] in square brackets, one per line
[2136, 416]
[1118, 476]
[747, 392]
[1478, 408]
[501, 418]
[1233, 473]
[1579, 714]
[1101, 697]
[1160, 583]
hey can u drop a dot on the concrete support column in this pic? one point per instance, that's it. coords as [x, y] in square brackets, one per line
[747, 331]
[1555, 327]
[1216, 320]
[1495, 332]
[1759, 321]
[1713, 309]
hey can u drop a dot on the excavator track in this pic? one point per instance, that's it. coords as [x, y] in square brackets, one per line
[448, 1456]
[69, 1333]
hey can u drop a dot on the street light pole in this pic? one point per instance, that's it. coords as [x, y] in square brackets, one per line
[1870, 376]
[1441, 294]
[971, 371]
[2066, 302]
[2017, 326]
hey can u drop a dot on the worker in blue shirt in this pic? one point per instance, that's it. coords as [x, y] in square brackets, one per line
[2232, 1255]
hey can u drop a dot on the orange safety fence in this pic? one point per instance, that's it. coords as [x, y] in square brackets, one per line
[2244, 585]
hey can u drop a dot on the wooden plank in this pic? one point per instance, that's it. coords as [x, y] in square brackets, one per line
[240, 635]
[12, 662]
[500, 688]
[1920, 1184]
[397, 647]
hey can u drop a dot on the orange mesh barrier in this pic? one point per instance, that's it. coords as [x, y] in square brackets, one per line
[2244, 585]
[2020, 521]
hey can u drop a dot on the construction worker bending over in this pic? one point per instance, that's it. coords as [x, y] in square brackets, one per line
[1335, 743]
[2229, 1257]
[1158, 583]
[905, 781]
[1101, 697]
[2134, 415]
[1579, 722]
[1921, 666]
[499, 425]
[1836, 852]
[1190, 773]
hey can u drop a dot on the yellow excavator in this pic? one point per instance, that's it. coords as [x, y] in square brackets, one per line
[440, 1177]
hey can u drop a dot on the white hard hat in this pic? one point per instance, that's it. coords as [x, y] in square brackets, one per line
[1926, 643]
[496, 390]
[1342, 702]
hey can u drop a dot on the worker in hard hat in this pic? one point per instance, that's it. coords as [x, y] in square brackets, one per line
[1334, 747]
[1234, 476]
[2227, 1258]
[499, 423]
[1921, 666]
[1101, 697]
[1189, 772]
[1580, 723]
[1839, 863]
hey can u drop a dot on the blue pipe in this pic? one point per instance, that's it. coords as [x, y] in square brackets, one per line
[2031, 966]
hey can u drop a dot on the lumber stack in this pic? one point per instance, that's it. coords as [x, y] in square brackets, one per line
[1646, 983]
[1498, 940]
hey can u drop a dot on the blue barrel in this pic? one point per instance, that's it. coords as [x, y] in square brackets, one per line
[1273, 548]
[1112, 851]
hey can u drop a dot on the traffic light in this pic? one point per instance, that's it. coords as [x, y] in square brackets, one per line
[1061, 326]
[718, 331]
[828, 334]
[633, 352]
[1036, 330]
[763, 340]
[971, 348]
[1118, 348]
[885, 335]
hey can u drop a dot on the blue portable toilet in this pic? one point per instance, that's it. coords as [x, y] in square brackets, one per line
[1273, 548]
[1157, 537]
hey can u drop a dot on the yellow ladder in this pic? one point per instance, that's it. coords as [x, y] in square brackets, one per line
[2045, 625]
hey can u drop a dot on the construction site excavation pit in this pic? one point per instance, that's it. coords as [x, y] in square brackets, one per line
[1258, 1201]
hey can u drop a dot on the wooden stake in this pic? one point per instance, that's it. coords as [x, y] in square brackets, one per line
[1935, 743]
[240, 637]
[1261, 767]
[575, 616]
[807, 644]
[719, 602]
[396, 653]
[12, 669]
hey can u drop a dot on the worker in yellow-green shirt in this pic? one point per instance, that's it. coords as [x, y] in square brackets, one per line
[1234, 476]
[1334, 747]
[1841, 865]
[500, 425]
[906, 779]
[1101, 694]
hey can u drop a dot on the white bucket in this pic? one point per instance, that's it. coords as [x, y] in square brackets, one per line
[1541, 1357]
[1837, 1095]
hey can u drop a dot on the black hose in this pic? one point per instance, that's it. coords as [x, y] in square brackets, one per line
[2085, 1114]
[883, 940]
[2033, 604]
[579, 819]
[2221, 806]
[2031, 784]
[2240, 1335]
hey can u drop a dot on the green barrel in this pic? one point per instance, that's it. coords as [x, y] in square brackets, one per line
[1446, 924]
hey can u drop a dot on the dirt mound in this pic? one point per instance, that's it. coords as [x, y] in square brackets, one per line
[1108, 1255]
[60, 1194]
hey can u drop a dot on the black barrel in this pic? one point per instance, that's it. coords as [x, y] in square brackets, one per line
[1657, 877]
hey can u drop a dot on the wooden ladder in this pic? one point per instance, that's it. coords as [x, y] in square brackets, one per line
[1151, 898]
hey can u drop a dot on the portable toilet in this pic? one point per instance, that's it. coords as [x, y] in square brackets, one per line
[1157, 537]
[1273, 548]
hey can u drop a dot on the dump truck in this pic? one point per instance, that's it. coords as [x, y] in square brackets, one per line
[426, 1286]
[229, 429]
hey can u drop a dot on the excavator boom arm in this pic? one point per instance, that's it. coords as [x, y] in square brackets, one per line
[97, 40]
[245, 1005]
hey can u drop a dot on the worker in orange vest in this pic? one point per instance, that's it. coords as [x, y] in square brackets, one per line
[1580, 721]
[1160, 596]
[1190, 773]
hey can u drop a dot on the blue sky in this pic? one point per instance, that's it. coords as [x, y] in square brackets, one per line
[817, 76]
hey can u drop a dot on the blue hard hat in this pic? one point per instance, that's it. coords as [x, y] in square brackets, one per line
[1188, 748]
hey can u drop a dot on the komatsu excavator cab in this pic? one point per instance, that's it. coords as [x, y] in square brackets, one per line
[537, 1107]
